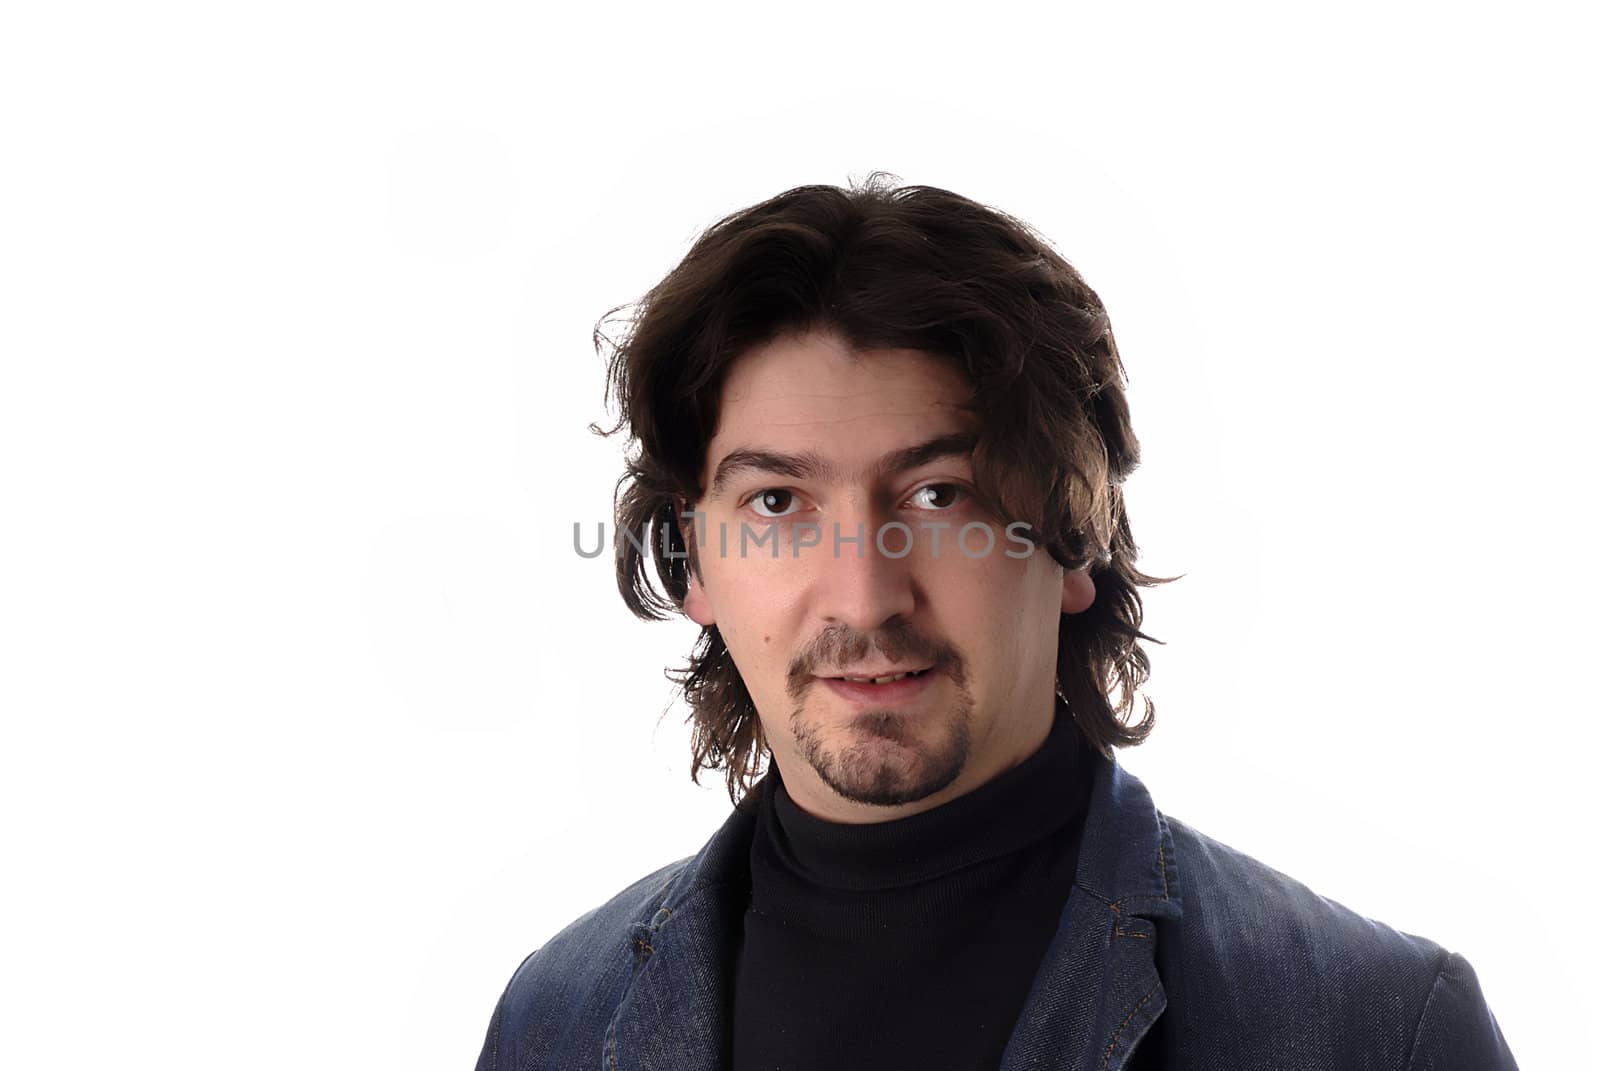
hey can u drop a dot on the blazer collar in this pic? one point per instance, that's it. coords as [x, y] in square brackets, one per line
[1096, 992]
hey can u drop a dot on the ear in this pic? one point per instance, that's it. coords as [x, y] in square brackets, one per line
[1077, 591]
[695, 603]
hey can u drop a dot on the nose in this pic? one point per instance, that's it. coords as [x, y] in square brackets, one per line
[860, 585]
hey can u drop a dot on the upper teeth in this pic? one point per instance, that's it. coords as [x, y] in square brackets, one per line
[882, 680]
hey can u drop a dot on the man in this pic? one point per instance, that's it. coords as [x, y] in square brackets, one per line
[879, 440]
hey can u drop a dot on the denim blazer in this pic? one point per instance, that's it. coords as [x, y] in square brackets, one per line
[1173, 951]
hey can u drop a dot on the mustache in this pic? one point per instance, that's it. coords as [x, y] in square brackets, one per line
[841, 645]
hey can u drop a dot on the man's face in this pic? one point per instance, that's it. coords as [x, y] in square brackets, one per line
[981, 622]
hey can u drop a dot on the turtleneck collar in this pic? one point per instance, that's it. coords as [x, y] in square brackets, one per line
[1010, 811]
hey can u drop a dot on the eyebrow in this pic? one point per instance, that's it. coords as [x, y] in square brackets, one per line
[810, 465]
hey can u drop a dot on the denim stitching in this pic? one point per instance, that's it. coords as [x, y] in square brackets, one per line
[1166, 886]
[1116, 924]
[1433, 990]
[1112, 1047]
[666, 892]
[1098, 896]
[1134, 897]
[642, 950]
[1161, 858]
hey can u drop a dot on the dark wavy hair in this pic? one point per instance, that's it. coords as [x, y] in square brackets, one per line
[888, 266]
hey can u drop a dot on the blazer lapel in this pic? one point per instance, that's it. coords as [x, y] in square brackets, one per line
[674, 1015]
[1098, 992]
[1095, 996]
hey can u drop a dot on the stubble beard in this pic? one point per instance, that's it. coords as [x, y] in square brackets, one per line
[882, 760]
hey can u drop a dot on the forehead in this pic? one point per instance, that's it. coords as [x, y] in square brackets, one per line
[815, 391]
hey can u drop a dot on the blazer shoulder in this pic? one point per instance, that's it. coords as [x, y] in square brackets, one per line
[1261, 960]
[1458, 1032]
[558, 999]
[1254, 907]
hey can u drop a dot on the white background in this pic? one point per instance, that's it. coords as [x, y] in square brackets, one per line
[314, 724]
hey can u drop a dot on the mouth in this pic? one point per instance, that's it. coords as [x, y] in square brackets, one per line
[886, 677]
[886, 688]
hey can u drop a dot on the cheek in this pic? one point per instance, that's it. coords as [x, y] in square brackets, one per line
[995, 589]
[756, 625]
[1013, 612]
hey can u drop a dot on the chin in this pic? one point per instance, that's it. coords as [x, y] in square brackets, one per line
[880, 757]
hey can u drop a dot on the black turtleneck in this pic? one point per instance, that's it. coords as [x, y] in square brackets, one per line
[909, 943]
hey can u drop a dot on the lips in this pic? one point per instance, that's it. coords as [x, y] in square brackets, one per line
[897, 691]
[871, 673]
[883, 676]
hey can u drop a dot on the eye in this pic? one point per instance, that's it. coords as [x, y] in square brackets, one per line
[766, 497]
[934, 491]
